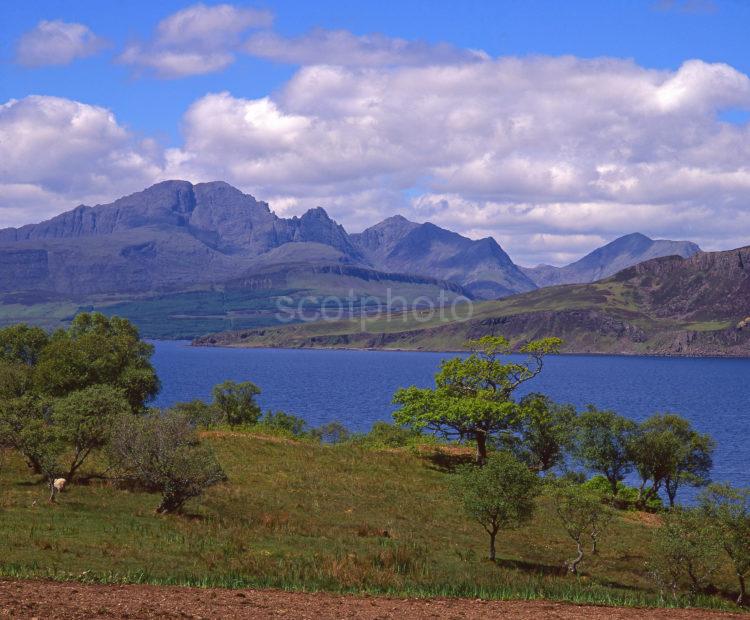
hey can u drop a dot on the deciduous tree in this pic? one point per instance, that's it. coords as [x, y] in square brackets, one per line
[498, 496]
[472, 397]
[603, 444]
[236, 401]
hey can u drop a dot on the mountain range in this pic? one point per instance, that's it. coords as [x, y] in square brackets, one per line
[209, 250]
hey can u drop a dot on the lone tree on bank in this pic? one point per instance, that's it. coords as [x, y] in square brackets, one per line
[472, 396]
[236, 402]
[499, 496]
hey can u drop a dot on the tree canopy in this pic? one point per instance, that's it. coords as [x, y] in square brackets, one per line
[472, 397]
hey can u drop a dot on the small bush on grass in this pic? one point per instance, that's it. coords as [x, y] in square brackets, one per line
[626, 498]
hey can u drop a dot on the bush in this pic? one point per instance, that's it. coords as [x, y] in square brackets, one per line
[284, 423]
[332, 432]
[686, 553]
[627, 496]
[200, 413]
[162, 453]
[385, 435]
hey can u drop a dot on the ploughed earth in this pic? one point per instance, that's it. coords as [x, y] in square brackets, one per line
[44, 599]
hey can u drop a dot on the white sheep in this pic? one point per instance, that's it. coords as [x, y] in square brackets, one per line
[57, 486]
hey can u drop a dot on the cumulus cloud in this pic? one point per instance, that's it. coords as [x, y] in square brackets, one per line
[198, 39]
[57, 43]
[550, 155]
[57, 153]
[525, 149]
[341, 47]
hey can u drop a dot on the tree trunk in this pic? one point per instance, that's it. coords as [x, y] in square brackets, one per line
[593, 546]
[573, 564]
[481, 438]
[613, 486]
[492, 545]
[742, 598]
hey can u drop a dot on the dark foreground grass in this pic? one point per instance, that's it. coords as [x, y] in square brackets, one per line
[297, 515]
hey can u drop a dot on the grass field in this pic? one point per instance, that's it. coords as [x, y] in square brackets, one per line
[298, 515]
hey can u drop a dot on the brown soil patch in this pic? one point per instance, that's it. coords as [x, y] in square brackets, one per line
[43, 599]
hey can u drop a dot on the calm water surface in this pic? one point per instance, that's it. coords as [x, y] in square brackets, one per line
[355, 387]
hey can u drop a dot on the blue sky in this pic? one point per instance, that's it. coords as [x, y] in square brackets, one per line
[652, 38]
[647, 31]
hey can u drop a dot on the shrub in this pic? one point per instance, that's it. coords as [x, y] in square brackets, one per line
[162, 453]
[686, 552]
[385, 435]
[332, 432]
[200, 413]
[728, 509]
[286, 423]
[627, 496]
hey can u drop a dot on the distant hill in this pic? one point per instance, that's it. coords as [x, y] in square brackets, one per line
[666, 306]
[482, 267]
[609, 259]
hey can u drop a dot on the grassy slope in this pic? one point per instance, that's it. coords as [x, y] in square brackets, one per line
[188, 314]
[304, 516]
[616, 300]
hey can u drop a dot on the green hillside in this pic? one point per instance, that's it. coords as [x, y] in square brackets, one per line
[300, 515]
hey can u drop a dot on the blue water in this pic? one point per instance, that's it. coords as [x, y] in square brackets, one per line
[355, 387]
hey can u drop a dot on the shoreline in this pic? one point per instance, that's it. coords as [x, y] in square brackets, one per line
[402, 350]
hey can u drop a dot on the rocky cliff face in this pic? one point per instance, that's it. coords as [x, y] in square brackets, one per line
[609, 259]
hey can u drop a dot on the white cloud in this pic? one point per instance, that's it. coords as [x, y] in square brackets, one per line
[198, 39]
[341, 47]
[57, 153]
[552, 156]
[525, 149]
[57, 43]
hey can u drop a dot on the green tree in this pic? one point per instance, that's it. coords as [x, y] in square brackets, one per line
[97, 350]
[15, 380]
[236, 401]
[582, 515]
[84, 419]
[472, 397]
[25, 427]
[603, 444]
[498, 496]
[667, 453]
[728, 509]
[686, 552]
[162, 453]
[546, 431]
[22, 344]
